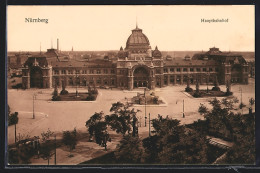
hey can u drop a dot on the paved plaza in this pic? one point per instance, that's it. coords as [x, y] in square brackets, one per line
[60, 116]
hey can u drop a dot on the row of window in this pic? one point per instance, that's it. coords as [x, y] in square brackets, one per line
[165, 70]
[91, 71]
[185, 78]
[122, 72]
[85, 82]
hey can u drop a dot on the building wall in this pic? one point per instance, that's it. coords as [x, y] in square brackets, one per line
[84, 76]
[122, 77]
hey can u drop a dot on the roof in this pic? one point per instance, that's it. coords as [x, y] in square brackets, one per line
[223, 57]
[41, 60]
[183, 62]
[156, 52]
[53, 54]
[215, 54]
[137, 38]
[74, 63]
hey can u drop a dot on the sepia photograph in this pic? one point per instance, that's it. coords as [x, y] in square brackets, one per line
[130, 85]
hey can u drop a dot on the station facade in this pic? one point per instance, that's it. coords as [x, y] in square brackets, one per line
[136, 65]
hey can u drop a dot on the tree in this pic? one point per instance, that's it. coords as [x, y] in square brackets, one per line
[130, 150]
[190, 148]
[224, 123]
[70, 140]
[91, 123]
[228, 86]
[251, 102]
[23, 152]
[123, 119]
[13, 119]
[197, 92]
[94, 91]
[174, 143]
[243, 150]
[188, 88]
[151, 149]
[47, 146]
[97, 128]
[9, 110]
[63, 91]
[101, 134]
[218, 117]
[216, 85]
[56, 96]
[55, 92]
[89, 89]
[13, 156]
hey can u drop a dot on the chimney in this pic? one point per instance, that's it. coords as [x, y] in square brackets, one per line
[57, 44]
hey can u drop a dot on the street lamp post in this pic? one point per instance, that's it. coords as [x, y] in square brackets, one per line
[183, 116]
[145, 121]
[241, 104]
[15, 133]
[241, 95]
[34, 97]
[149, 126]
[55, 153]
[16, 120]
[207, 81]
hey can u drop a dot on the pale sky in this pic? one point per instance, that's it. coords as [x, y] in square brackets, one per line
[172, 28]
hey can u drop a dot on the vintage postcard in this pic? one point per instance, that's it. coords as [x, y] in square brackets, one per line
[145, 84]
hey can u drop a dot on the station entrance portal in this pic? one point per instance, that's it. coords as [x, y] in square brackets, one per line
[36, 78]
[141, 77]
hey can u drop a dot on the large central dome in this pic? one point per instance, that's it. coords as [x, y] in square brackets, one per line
[137, 40]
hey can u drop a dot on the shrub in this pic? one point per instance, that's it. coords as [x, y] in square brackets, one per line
[228, 93]
[56, 98]
[188, 89]
[17, 86]
[95, 91]
[197, 94]
[55, 92]
[156, 100]
[215, 88]
[64, 92]
[70, 139]
[90, 97]
[13, 156]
